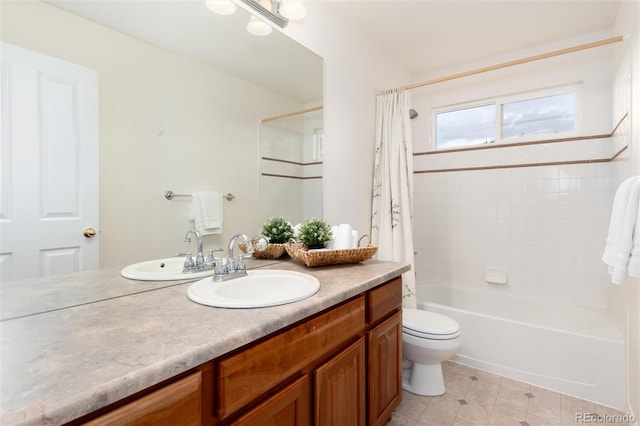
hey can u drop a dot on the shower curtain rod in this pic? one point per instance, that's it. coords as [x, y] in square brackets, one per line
[290, 114]
[516, 62]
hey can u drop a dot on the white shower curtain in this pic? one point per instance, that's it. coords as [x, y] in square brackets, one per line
[392, 205]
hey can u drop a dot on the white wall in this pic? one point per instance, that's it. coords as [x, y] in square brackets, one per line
[208, 140]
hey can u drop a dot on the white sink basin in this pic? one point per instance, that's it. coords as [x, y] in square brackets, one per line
[161, 270]
[260, 288]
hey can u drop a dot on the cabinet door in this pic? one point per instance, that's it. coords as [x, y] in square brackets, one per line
[385, 369]
[340, 388]
[289, 407]
[256, 370]
[175, 404]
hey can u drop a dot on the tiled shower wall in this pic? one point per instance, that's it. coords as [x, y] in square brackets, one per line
[545, 226]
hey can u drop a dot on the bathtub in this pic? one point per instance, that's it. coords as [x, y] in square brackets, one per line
[570, 349]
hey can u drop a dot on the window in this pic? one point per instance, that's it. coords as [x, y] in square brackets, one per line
[505, 120]
[467, 126]
[539, 116]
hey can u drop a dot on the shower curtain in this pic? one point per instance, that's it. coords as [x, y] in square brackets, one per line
[392, 204]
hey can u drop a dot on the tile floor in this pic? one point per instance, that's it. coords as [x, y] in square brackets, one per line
[476, 398]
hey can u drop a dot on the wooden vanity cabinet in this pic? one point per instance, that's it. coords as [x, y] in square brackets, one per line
[340, 367]
[340, 394]
[256, 371]
[290, 406]
[359, 383]
[178, 403]
[385, 369]
[384, 345]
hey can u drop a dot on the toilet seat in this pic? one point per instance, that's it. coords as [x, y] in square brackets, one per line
[429, 325]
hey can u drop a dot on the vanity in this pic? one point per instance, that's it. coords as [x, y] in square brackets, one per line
[148, 355]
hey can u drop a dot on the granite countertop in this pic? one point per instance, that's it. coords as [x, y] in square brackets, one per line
[106, 339]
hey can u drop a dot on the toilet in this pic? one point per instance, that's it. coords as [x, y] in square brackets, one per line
[428, 339]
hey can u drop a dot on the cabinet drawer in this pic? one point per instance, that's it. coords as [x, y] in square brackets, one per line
[384, 299]
[176, 403]
[289, 407]
[254, 371]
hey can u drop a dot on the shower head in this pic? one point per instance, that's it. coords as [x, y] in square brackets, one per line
[413, 113]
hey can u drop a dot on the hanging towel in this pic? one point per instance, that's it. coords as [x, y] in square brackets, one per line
[206, 212]
[622, 250]
[633, 269]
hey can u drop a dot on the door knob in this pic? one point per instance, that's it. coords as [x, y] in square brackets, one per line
[89, 232]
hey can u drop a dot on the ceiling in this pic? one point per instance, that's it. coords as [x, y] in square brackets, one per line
[428, 35]
[421, 35]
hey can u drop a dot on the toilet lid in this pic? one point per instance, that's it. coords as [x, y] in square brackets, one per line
[429, 325]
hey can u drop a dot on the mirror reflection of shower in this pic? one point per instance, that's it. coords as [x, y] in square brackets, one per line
[318, 145]
[291, 151]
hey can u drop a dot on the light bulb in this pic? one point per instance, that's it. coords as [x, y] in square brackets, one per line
[258, 27]
[221, 7]
[293, 9]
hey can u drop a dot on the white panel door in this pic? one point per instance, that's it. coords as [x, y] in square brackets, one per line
[49, 165]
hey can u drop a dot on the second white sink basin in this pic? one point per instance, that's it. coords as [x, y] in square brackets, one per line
[161, 270]
[260, 288]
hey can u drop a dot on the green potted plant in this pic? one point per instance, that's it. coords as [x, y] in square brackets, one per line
[315, 233]
[277, 229]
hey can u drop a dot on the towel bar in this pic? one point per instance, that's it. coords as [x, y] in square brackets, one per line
[170, 194]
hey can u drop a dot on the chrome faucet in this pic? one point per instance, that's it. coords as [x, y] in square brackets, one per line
[233, 269]
[200, 263]
[232, 242]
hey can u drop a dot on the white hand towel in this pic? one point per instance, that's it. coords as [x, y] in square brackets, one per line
[206, 210]
[622, 250]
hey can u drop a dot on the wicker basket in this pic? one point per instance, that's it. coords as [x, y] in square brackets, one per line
[272, 251]
[311, 258]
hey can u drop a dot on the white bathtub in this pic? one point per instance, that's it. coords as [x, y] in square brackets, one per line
[571, 349]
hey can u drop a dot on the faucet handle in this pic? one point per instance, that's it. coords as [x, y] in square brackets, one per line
[210, 257]
[189, 263]
[199, 259]
[239, 265]
[229, 266]
[219, 267]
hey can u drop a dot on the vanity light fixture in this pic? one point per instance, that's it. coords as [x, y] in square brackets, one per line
[221, 7]
[278, 12]
[258, 27]
[292, 9]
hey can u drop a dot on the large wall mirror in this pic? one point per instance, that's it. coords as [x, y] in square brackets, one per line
[291, 149]
[181, 90]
